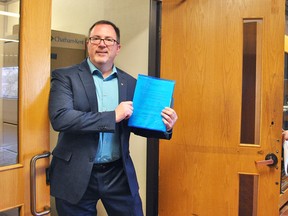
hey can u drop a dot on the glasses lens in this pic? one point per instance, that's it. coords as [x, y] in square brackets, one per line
[94, 40]
[109, 42]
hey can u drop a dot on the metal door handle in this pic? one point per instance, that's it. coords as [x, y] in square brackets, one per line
[270, 160]
[47, 209]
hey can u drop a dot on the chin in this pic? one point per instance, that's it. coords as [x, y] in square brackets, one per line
[102, 60]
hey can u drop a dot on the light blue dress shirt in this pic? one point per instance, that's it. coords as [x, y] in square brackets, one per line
[108, 99]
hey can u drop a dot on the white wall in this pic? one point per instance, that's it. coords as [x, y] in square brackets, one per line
[132, 17]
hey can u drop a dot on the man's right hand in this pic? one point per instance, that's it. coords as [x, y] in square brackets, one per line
[124, 110]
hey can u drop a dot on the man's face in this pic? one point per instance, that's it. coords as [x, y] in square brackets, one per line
[101, 55]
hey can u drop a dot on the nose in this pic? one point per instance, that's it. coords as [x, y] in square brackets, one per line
[102, 41]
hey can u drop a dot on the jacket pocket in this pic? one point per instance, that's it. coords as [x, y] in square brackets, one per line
[62, 154]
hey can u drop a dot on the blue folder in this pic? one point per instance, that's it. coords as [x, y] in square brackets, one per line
[151, 96]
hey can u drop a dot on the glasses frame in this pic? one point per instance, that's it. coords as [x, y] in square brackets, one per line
[104, 41]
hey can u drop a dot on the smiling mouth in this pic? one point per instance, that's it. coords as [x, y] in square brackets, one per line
[101, 53]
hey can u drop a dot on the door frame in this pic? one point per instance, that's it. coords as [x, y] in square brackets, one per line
[153, 144]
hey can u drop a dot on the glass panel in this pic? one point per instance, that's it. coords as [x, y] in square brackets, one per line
[248, 195]
[251, 79]
[11, 212]
[9, 46]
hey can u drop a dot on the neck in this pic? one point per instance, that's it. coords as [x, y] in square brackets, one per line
[106, 73]
[106, 69]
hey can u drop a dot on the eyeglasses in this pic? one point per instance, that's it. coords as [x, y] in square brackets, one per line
[107, 41]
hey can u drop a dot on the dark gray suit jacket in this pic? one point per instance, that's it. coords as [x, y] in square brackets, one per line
[73, 111]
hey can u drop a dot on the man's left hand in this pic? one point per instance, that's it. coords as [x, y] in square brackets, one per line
[169, 117]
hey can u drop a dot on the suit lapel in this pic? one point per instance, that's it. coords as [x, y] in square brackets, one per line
[122, 85]
[89, 86]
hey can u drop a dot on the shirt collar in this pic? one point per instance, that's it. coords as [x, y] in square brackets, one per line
[94, 68]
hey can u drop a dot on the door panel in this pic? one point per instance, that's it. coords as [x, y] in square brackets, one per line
[33, 123]
[221, 67]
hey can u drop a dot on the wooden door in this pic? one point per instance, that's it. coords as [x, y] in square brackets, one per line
[33, 123]
[227, 58]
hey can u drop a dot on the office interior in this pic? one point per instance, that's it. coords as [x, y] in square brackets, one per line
[70, 22]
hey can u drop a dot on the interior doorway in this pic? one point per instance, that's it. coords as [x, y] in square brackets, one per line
[133, 58]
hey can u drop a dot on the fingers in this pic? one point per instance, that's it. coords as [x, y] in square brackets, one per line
[285, 134]
[124, 110]
[169, 117]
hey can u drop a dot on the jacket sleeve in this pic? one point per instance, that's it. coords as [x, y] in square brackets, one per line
[152, 134]
[69, 108]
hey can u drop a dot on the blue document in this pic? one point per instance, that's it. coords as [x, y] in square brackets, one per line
[151, 96]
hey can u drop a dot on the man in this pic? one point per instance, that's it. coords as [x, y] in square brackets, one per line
[90, 105]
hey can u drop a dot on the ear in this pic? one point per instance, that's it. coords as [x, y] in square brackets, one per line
[118, 48]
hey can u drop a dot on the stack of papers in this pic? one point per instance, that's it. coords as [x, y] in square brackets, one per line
[151, 96]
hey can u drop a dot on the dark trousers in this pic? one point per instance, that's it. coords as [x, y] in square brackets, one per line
[108, 183]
